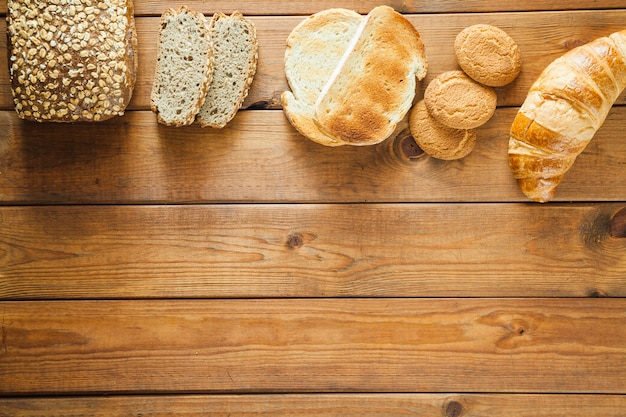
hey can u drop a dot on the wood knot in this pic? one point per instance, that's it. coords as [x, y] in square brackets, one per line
[295, 240]
[406, 147]
[454, 409]
[574, 43]
[597, 293]
[617, 226]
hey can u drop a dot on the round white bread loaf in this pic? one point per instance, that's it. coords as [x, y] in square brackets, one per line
[314, 49]
[352, 78]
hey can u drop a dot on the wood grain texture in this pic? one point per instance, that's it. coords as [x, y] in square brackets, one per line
[319, 345]
[324, 405]
[259, 157]
[226, 251]
[542, 36]
[247, 271]
[264, 7]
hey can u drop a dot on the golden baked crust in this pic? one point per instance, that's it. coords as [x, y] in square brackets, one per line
[459, 102]
[437, 140]
[564, 108]
[375, 85]
[71, 62]
[488, 55]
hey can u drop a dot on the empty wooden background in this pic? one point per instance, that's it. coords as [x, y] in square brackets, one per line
[147, 270]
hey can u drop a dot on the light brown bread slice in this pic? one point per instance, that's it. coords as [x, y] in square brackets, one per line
[373, 87]
[184, 66]
[235, 55]
[314, 49]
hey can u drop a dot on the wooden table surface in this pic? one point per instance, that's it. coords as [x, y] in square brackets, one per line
[147, 270]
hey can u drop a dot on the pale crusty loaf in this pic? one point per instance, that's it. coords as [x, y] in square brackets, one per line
[184, 66]
[562, 112]
[374, 85]
[71, 62]
[314, 49]
[352, 77]
[235, 55]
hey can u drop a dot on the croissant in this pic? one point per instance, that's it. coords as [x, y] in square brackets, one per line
[563, 110]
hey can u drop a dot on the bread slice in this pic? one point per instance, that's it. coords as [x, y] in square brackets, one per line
[373, 87]
[67, 66]
[314, 49]
[235, 55]
[184, 66]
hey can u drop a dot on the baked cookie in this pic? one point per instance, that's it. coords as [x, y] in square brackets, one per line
[437, 140]
[459, 102]
[488, 55]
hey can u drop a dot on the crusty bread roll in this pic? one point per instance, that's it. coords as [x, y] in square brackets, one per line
[71, 61]
[235, 54]
[184, 66]
[563, 110]
[357, 93]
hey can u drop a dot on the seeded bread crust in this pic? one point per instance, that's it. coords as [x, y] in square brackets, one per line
[184, 70]
[235, 56]
[71, 62]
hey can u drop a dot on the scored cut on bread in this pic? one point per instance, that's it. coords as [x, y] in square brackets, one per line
[184, 66]
[67, 66]
[374, 85]
[314, 49]
[352, 78]
[235, 55]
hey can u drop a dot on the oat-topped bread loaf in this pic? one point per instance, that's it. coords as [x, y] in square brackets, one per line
[71, 61]
[235, 54]
[184, 66]
[353, 77]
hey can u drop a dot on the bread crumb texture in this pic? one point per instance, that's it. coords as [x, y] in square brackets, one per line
[235, 55]
[184, 66]
[488, 55]
[71, 60]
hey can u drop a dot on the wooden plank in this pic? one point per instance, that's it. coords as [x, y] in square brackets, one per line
[364, 405]
[541, 36]
[318, 345]
[259, 157]
[225, 251]
[263, 7]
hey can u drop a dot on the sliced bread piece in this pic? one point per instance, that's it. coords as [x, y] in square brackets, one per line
[235, 55]
[314, 49]
[373, 87]
[184, 66]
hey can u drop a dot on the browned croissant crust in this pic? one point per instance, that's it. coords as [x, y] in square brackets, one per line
[565, 107]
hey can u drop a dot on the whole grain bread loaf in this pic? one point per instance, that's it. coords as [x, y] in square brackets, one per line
[71, 61]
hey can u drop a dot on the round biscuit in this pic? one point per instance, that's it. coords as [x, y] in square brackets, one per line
[459, 102]
[488, 55]
[437, 140]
